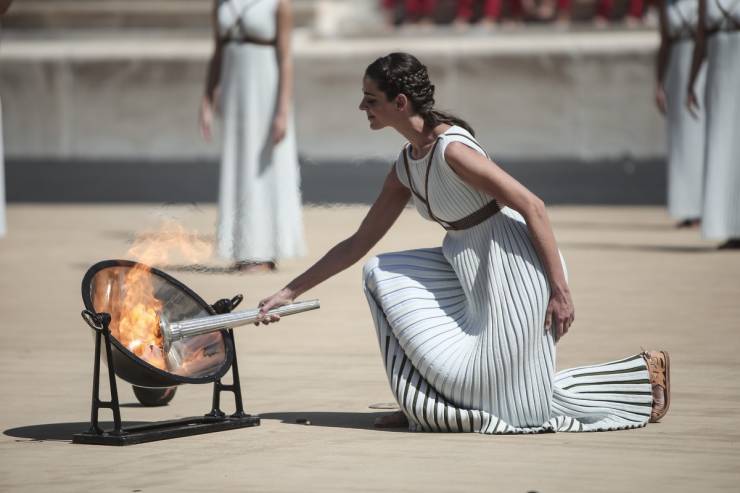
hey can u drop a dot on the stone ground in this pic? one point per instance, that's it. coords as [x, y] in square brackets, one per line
[636, 282]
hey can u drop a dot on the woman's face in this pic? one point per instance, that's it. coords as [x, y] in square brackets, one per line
[380, 112]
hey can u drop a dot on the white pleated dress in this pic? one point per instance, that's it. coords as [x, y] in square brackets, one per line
[721, 214]
[461, 334]
[685, 132]
[259, 194]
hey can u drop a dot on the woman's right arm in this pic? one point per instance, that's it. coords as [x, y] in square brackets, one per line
[205, 115]
[387, 207]
[700, 51]
[661, 61]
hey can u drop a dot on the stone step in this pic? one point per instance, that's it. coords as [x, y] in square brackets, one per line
[123, 14]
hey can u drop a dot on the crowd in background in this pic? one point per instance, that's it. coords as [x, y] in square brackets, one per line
[462, 13]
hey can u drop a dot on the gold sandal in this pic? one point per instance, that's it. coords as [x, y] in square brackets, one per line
[659, 365]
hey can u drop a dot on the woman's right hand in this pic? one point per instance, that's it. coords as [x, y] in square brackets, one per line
[282, 297]
[660, 99]
[692, 103]
[560, 313]
[205, 119]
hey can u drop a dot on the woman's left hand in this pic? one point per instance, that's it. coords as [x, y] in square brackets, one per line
[560, 313]
[279, 127]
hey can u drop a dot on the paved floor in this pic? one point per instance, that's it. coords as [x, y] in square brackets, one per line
[636, 281]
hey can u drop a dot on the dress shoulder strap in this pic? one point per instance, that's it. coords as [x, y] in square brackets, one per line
[408, 174]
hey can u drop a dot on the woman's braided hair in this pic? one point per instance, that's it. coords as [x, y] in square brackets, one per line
[402, 73]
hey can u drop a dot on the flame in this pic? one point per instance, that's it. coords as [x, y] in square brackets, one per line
[137, 324]
[157, 248]
[135, 321]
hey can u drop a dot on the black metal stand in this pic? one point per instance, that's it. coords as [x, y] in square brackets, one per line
[214, 421]
[226, 306]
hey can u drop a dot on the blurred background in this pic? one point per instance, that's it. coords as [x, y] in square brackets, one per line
[100, 97]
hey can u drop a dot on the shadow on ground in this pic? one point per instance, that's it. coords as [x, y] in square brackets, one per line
[60, 432]
[352, 420]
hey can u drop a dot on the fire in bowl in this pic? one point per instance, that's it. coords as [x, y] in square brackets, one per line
[136, 297]
[163, 333]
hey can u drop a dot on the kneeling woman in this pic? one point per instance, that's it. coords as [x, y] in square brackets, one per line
[467, 331]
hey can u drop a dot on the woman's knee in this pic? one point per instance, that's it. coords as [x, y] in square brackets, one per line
[369, 273]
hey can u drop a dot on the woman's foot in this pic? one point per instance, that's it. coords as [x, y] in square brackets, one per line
[254, 267]
[731, 244]
[692, 222]
[393, 420]
[659, 365]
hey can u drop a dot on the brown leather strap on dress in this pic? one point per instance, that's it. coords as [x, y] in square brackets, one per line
[408, 176]
[729, 16]
[466, 222]
[245, 38]
[734, 22]
[475, 218]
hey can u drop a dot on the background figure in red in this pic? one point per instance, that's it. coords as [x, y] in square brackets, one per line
[466, 10]
[402, 11]
[605, 12]
[491, 10]
[420, 10]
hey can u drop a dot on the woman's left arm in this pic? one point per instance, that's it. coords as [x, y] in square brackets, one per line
[284, 23]
[484, 175]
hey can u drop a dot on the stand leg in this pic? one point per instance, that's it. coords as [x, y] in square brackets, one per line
[237, 383]
[113, 388]
[226, 306]
[99, 322]
[94, 428]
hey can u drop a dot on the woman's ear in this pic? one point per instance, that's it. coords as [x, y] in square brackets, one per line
[402, 102]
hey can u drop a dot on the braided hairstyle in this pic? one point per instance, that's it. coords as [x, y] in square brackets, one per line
[403, 73]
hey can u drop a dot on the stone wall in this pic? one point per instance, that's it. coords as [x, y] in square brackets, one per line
[586, 96]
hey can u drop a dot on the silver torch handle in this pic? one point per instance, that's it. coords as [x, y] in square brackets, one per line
[174, 331]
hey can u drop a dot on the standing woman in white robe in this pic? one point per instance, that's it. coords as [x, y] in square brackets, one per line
[679, 21]
[250, 74]
[718, 41]
[467, 331]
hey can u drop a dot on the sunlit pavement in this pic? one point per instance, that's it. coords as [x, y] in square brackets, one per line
[636, 282]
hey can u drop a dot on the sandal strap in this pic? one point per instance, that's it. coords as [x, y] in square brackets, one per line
[656, 363]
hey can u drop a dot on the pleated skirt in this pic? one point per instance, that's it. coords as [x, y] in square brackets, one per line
[461, 337]
[721, 214]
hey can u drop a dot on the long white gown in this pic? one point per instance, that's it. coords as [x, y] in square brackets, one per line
[721, 215]
[259, 194]
[685, 132]
[461, 334]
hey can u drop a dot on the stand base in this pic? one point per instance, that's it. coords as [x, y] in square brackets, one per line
[164, 430]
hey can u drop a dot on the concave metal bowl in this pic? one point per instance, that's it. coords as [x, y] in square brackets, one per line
[104, 285]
